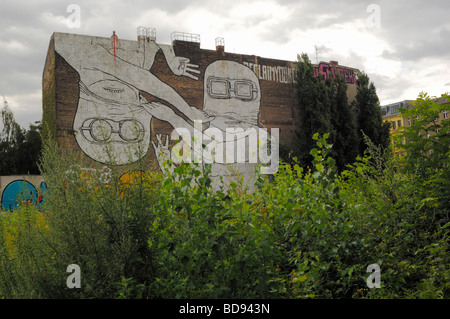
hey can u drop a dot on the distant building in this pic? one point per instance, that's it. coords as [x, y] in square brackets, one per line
[391, 113]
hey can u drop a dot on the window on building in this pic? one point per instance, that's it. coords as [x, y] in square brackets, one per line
[393, 125]
[444, 114]
[409, 122]
[395, 109]
[399, 123]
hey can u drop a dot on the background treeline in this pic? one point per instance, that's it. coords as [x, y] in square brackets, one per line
[20, 148]
[324, 108]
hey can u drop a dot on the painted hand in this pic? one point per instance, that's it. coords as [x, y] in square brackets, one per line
[162, 152]
[181, 66]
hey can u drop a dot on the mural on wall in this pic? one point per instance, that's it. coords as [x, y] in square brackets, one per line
[350, 76]
[232, 97]
[113, 120]
[22, 191]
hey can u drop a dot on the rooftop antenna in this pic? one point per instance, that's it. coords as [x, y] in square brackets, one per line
[317, 51]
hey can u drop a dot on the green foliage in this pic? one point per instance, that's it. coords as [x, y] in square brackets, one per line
[314, 109]
[323, 108]
[304, 233]
[427, 160]
[344, 136]
[426, 139]
[26, 261]
[20, 149]
[370, 122]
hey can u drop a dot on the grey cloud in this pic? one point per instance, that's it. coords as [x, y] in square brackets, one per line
[415, 29]
[426, 48]
[313, 15]
[390, 89]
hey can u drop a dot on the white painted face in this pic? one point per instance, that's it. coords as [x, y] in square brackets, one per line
[111, 125]
[232, 94]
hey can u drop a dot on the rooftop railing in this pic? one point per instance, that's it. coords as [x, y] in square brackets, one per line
[183, 36]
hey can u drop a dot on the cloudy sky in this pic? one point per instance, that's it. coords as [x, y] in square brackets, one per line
[404, 46]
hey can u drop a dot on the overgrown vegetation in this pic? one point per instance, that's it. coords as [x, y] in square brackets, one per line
[301, 234]
[323, 107]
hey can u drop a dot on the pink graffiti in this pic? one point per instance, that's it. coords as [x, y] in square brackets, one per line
[325, 69]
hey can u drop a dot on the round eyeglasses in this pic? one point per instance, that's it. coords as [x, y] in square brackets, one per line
[221, 88]
[101, 130]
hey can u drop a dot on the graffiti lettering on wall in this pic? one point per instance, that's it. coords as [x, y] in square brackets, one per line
[281, 74]
[22, 191]
[113, 120]
[326, 70]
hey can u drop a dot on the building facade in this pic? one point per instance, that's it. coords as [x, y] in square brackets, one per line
[391, 113]
[133, 94]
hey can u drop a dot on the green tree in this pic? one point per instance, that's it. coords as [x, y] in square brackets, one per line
[427, 145]
[11, 130]
[314, 112]
[370, 122]
[343, 138]
[20, 149]
[323, 108]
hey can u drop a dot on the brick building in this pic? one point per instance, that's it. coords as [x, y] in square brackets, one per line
[139, 90]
